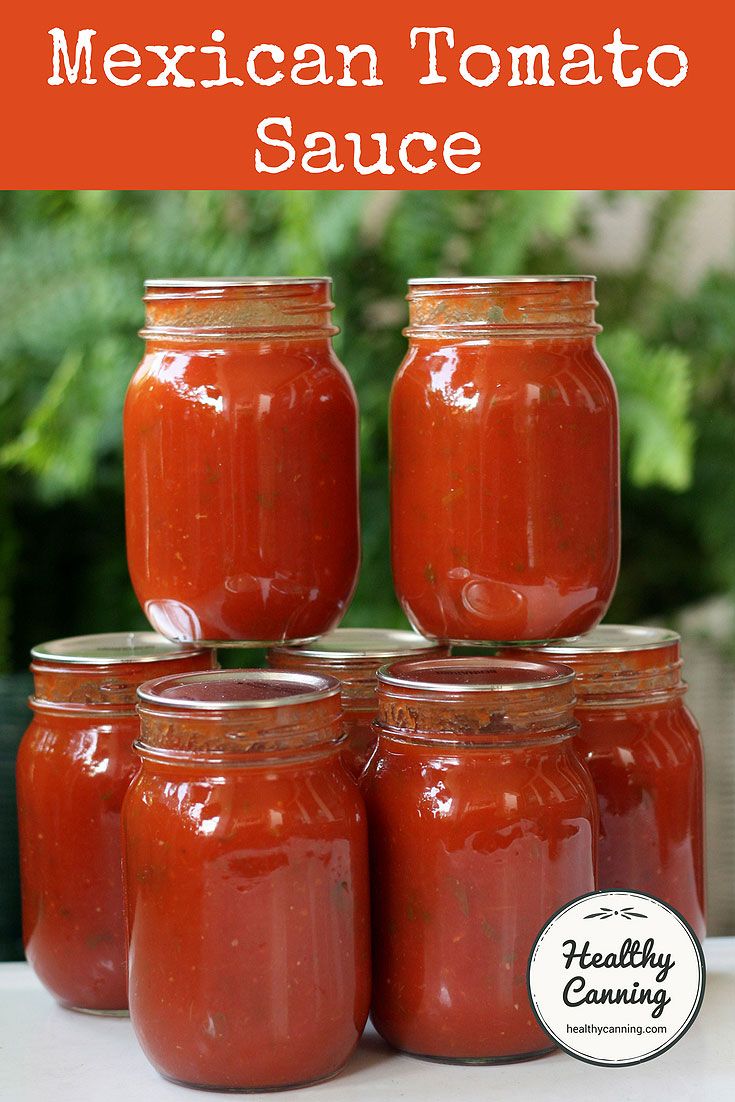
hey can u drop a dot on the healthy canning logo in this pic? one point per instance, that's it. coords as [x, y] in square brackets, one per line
[616, 978]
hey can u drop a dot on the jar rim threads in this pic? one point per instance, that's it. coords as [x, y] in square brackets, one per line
[239, 715]
[238, 308]
[100, 674]
[476, 701]
[619, 664]
[484, 307]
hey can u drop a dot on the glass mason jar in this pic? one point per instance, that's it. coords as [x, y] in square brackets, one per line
[247, 883]
[504, 461]
[483, 822]
[74, 765]
[241, 463]
[354, 656]
[643, 748]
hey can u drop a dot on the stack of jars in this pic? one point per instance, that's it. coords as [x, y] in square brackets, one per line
[265, 813]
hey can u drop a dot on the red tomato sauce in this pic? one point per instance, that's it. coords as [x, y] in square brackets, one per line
[74, 766]
[247, 883]
[504, 462]
[482, 824]
[241, 464]
[354, 656]
[643, 749]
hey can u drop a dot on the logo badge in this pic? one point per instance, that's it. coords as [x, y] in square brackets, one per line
[616, 978]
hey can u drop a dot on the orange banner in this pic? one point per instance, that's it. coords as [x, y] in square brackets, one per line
[289, 95]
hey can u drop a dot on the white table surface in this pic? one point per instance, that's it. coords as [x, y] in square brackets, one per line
[52, 1055]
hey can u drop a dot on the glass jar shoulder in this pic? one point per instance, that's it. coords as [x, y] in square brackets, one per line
[260, 807]
[78, 747]
[651, 736]
[505, 786]
[239, 371]
[474, 376]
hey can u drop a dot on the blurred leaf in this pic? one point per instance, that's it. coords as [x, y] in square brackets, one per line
[654, 387]
[69, 426]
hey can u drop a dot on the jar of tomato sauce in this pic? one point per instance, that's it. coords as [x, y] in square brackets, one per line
[75, 763]
[504, 461]
[247, 882]
[354, 656]
[483, 823]
[643, 748]
[241, 463]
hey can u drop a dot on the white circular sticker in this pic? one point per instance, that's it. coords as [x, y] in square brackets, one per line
[616, 978]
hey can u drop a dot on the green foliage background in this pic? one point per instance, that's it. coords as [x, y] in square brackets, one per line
[72, 266]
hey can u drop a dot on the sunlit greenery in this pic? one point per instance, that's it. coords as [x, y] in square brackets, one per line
[71, 271]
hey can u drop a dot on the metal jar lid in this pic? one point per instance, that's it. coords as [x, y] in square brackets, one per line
[205, 282]
[237, 690]
[112, 648]
[460, 676]
[344, 644]
[612, 639]
[489, 281]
